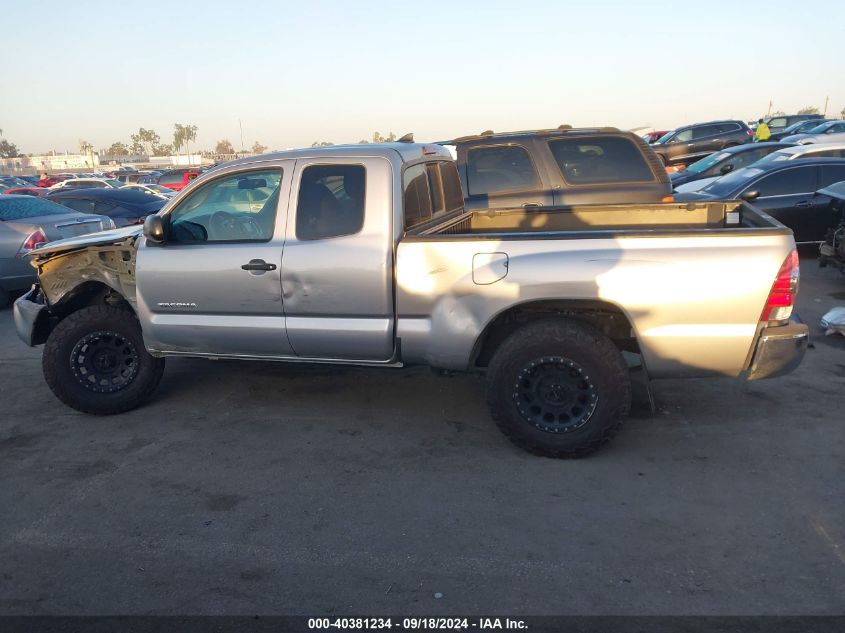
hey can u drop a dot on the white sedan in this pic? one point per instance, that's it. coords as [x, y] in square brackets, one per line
[88, 183]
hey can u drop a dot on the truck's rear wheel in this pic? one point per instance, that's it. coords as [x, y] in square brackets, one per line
[558, 388]
[95, 361]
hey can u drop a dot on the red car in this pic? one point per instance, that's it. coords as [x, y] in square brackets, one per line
[49, 181]
[28, 191]
[177, 179]
[653, 136]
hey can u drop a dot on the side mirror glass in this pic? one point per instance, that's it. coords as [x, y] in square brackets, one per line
[750, 196]
[726, 168]
[154, 229]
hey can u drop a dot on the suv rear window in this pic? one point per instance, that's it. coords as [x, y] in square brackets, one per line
[600, 160]
[170, 179]
[499, 168]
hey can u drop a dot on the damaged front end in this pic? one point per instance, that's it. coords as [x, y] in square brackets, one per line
[75, 273]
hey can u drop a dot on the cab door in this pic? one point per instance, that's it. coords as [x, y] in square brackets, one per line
[787, 195]
[705, 140]
[214, 286]
[337, 268]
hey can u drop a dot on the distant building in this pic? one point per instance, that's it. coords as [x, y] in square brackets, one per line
[57, 162]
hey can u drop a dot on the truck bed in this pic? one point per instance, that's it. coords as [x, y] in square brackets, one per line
[690, 279]
[603, 220]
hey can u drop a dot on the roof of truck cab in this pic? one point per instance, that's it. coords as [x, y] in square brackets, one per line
[406, 152]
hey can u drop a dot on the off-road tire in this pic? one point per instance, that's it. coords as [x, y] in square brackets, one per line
[553, 344]
[60, 356]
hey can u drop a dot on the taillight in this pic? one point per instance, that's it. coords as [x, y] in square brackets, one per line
[782, 296]
[34, 239]
[667, 199]
[749, 132]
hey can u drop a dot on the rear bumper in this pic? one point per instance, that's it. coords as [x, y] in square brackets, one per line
[27, 311]
[779, 350]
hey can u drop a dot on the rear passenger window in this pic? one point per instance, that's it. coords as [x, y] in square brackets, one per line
[331, 201]
[77, 204]
[499, 168]
[786, 182]
[832, 174]
[705, 131]
[430, 189]
[728, 128]
[600, 160]
[103, 207]
[453, 196]
[416, 197]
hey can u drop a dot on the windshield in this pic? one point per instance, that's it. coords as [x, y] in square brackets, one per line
[820, 128]
[160, 189]
[774, 157]
[114, 183]
[664, 138]
[28, 207]
[795, 126]
[734, 181]
[706, 163]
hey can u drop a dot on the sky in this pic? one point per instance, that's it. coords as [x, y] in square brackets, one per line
[294, 73]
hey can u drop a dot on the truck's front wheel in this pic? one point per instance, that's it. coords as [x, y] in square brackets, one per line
[95, 361]
[558, 388]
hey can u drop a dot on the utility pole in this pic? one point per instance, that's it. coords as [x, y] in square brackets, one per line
[826, 99]
[242, 135]
[769, 111]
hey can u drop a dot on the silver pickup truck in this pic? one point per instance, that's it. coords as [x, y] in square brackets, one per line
[365, 255]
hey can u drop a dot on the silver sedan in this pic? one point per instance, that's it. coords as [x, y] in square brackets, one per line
[26, 222]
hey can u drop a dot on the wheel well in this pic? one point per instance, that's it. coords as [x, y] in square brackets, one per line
[605, 317]
[85, 294]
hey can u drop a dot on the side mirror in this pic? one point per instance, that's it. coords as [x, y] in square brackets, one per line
[750, 196]
[154, 229]
[726, 169]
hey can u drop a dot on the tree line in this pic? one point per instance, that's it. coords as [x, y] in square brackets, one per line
[149, 143]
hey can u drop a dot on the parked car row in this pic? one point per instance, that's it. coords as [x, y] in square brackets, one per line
[688, 144]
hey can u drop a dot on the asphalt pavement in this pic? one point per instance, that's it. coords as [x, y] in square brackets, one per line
[259, 488]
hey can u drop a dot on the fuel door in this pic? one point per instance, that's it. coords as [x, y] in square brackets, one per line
[488, 268]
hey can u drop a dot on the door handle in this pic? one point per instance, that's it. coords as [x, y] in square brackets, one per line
[803, 204]
[258, 264]
[531, 205]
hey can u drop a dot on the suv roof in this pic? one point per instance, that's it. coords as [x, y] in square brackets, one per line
[686, 127]
[560, 130]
